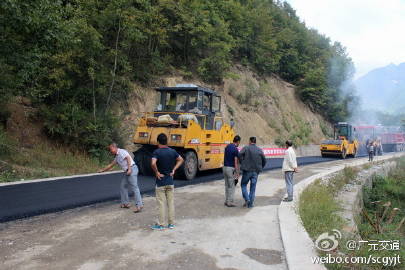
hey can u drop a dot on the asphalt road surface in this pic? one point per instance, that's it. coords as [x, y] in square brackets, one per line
[30, 199]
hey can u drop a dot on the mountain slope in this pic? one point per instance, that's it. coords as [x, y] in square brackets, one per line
[383, 88]
[75, 60]
[263, 106]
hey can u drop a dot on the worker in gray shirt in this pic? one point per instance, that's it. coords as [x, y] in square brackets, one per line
[252, 161]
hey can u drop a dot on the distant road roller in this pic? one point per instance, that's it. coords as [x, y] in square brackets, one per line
[343, 144]
[190, 116]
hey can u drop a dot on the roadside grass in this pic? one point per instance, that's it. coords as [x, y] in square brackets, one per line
[40, 161]
[384, 189]
[388, 189]
[367, 166]
[388, 236]
[341, 179]
[319, 210]
[318, 207]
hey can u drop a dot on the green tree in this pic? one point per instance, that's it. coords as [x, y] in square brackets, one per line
[76, 59]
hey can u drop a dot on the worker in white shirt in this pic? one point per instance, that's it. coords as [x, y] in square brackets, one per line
[289, 168]
[129, 178]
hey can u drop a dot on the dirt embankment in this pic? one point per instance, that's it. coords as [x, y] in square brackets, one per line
[265, 107]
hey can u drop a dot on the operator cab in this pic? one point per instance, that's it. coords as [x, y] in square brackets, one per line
[189, 98]
[343, 130]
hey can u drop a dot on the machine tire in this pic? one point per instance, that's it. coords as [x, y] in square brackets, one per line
[324, 155]
[142, 159]
[344, 153]
[190, 166]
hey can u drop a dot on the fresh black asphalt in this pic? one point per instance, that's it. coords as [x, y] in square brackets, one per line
[30, 199]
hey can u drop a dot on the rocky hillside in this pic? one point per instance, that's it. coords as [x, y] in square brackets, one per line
[76, 75]
[263, 106]
[266, 107]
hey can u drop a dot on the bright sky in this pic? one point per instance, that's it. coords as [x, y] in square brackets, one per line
[373, 31]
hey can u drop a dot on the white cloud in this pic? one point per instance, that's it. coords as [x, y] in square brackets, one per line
[373, 31]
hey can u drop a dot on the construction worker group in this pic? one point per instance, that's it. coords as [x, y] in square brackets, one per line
[247, 162]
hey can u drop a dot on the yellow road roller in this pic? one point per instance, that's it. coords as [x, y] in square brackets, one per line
[190, 116]
[343, 144]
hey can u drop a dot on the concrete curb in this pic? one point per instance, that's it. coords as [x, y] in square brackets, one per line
[298, 246]
[55, 178]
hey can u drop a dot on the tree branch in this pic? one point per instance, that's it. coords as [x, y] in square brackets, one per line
[115, 67]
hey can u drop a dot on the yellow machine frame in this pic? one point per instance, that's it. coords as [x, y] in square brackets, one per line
[202, 148]
[344, 143]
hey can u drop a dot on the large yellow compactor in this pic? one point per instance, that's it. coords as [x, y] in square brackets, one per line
[190, 116]
[343, 144]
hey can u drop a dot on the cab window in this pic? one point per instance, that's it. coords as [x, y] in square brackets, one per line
[181, 102]
[170, 101]
[176, 102]
[216, 104]
[158, 102]
[218, 124]
[193, 103]
[206, 102]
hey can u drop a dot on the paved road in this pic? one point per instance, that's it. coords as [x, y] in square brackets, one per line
[30, 199]
[208, 235]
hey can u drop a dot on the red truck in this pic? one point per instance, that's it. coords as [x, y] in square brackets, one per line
[393, 142]
[392, 138]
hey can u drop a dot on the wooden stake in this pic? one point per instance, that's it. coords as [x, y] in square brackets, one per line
[376, 202]
[400, 225]
[386, 208]
[393, 214]
[379, 210]
[370, 221]
[378, 222]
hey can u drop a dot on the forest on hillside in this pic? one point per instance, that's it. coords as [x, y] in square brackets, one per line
[75, 58]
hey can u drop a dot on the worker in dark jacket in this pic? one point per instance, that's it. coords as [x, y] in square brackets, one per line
[252, 161]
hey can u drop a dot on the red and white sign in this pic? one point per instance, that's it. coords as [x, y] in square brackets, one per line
[271, 152]
[274, 151]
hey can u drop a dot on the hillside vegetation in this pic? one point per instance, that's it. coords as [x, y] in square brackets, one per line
[263, 106]
[41, 161]
[75, 60]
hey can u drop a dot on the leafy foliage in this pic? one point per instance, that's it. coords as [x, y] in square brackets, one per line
[75, 58]
[6, 143]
